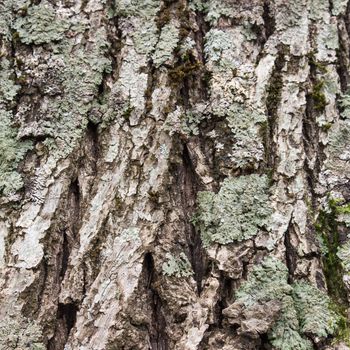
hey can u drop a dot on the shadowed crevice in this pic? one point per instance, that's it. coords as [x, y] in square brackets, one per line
[66, 318]
[190, 186]
[157, 329]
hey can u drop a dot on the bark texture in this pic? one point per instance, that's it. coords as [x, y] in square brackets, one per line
[174, 174]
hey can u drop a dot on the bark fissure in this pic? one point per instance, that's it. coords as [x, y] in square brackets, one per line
[157, 331]
[190, 187]
[66, 318]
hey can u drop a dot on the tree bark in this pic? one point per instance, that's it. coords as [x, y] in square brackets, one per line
[174, 174]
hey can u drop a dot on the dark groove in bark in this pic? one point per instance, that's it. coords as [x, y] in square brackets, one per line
[93, 137]
[269, 21]
[343, 58]
[157, 330]
[273, 100]
[310, 130]
[65, 255]
[226, 289]
[66, 318]
[291, 254]
[190, 188]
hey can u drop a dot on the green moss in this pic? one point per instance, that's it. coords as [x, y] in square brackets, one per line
[182, 71]
[127, 112]
[326, 127]
[274, 90]
[177, 266]
[314, 64]
[40, 25]
[318, 97]
[236, 212]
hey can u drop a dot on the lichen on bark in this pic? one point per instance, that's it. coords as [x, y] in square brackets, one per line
[174, 174]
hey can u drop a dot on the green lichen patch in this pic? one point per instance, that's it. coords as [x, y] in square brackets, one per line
[245, 124]
[215, 9]
[285, 333]
[66, 119]
[167, 42]
[5, 19]
[145, 8]
[344, 103]
[339, 7]
[177, 266]
[327, 229]
[343, 254]
[236, 212]
[131, 234]
[314, 311]
[8, 88]
[305, 310]
[336, 261]
[267, 281]
[12, 151]
[40, 25]
[339, 147]
[216, 42]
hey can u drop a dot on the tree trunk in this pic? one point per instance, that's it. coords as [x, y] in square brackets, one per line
[174, 174]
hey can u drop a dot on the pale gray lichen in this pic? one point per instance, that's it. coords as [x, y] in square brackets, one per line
[245, 124]
[236, 212]
[131, 234]
[145, 36]
[20, 333]
[140, 16]
[40, 25]
[218, 46]
[167, 42]
[186, 122]
[317, 9]
[343, 254]
[305, 310]
[338, 150]
[145, 8]
[339, 7]
[214, 9]
[64, 120]
[344, 102]
[177, 266]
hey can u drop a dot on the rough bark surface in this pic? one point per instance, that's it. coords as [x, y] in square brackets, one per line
[174, 174]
